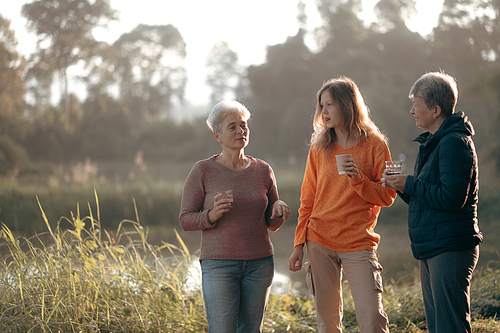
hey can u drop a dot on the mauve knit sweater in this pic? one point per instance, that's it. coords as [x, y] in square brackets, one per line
[241, 233]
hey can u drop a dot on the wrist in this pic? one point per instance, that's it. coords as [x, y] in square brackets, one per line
[211, 218]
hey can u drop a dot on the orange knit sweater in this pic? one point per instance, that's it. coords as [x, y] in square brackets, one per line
[339, 212]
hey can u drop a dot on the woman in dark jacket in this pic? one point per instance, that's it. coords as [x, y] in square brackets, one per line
[442, 196]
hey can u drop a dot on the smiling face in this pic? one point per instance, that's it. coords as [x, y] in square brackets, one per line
[330, 110]
[425, 118]
[234, 132]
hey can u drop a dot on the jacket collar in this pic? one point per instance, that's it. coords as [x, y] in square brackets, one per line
[457, 122]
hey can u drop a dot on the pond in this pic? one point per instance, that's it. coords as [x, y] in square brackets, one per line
[394, 249]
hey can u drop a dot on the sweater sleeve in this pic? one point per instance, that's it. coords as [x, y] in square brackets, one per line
[272, 197]
[372, 190]
[308, 192]
[192, 217]
[455, 167]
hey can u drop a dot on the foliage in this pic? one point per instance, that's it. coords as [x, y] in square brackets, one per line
[134, 83]
[106, 125]
[147, 65]
[12, 88]
[160, 200]
[78, 276]
[393, 13]
[281, 101]
[173, 141]
[64, 31]
[12, 65]
[486, 291]
[47, 138]
[149, 70]
[12, 156]
[488, 208]
[224, 71]
[88, 279]
[385, 59]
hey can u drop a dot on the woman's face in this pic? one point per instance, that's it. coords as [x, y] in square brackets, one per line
[234, 132]
[424, 117]
[330, 110]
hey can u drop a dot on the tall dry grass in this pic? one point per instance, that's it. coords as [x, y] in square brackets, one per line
[79, 277]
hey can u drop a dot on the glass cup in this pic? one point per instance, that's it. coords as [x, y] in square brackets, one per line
[340, 160]
[227, 194]
[393, 167]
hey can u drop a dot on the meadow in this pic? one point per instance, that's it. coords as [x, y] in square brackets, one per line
[79, 277]
[115, 260]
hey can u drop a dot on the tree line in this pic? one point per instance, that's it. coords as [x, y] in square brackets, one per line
[134, 83]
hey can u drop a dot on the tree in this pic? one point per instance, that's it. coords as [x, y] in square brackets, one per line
[392, 14]
[64, 29]
[12, 121]
[12, 88]
[224, 71]
[468, 36]
[494, 87]
[343, 37]
[106, 132]
[467, 41]
[341, 22]
[301, 15]
[147, 65]
[48, 138]
[283, 89]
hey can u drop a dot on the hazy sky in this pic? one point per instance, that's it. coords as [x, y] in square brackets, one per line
[247, 26]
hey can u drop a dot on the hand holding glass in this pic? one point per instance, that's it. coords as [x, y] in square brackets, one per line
[228, 194]
[393, 167]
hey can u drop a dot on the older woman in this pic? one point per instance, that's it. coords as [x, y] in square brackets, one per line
[236, 252]
[442, 195]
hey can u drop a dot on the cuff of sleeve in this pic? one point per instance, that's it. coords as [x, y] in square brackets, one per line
[209, 224]
[409, 184]
[299, 240]
[357, 180]
[275, 224]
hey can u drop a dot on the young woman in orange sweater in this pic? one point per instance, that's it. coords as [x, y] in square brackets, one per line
[338, 212]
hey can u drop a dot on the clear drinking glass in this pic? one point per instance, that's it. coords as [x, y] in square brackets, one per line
[227, 194]
[393, 167]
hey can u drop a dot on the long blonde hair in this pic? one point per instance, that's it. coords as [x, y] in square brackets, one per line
[355, 114]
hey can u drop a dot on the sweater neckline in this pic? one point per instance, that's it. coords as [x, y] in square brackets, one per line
[221, 167]
[337, 146]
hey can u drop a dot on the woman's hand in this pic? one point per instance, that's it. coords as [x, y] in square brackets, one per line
[221, 206]
[396, 182]
[350, 168]
[295, 260]
[281, 210]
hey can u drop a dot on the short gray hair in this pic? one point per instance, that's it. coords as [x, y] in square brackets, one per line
[437, 89]
[221, 110]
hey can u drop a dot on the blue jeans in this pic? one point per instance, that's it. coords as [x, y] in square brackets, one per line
[445, 281]
[236, 293]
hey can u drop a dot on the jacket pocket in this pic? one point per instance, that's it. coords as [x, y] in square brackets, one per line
[377, 275]
[309, 278]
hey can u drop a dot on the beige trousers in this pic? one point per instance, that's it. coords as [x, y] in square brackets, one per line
[363, 272]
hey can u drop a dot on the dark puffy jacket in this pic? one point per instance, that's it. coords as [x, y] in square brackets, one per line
[443, 192]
